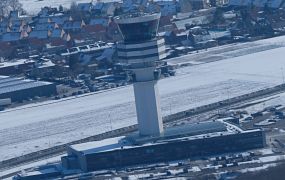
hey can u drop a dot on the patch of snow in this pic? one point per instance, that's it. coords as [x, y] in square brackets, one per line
[195, 169]
[266, 151]
[267, 159]
[263, 167]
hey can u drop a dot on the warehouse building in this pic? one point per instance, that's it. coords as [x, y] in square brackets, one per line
[16, 67]
[19, 89]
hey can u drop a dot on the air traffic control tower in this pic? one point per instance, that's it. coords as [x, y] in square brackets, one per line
[141, 50]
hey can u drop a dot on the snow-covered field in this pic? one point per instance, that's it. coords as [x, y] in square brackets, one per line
[34, 6]
[27, 129]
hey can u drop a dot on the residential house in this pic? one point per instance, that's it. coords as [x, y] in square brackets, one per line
[96, 25]
[46, 26]
[84, 7]
[73, 26]
[275, 4]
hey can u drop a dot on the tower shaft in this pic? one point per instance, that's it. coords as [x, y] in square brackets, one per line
[141, 50]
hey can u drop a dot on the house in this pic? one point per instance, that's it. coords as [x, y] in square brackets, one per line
[104, 9]
[39, 34]
[56, 33]
[113, 32]
[57, 37]
[60, 19]
[57, 18]
[192, 5]
[73, 26]
[165, 20]
[275, 4]
[168, 8]
[97, 8]
[47, 11]
[97, 25]
[46, 26]
[17, 25]
[10, 37]
[6, 49]
[193, 21]
[14, 15]
[200, 37]
[84, 7]
[3, 30]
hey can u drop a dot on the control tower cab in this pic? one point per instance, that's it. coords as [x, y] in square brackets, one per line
[141, 50]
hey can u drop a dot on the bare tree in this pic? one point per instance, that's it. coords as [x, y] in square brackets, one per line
[10, 5]
[3, 8]
[15, 5]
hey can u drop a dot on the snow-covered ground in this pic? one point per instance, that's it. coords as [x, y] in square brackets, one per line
[31, 165]
[34, 6]
[27, 129]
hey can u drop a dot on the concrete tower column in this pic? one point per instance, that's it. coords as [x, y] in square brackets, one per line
[141, 50]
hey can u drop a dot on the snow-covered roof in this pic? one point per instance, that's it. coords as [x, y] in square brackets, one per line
[9, 84]
[45, 26]
[59, 19]
[192, 21]
[98, 146]
[15, 63]
[99, 21]
[44, 34]
[98, 6]
[84, 6]
[258, 3]
[57, 33]
[72, 25]
[10, 36]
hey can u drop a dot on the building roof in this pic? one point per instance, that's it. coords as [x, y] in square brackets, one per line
[99, 21]
[84, 6]
[10, 36]
[10, 84]
[69, 25]
[192, 21]
[46, 26]
[15, 63]
[57, 33]
[98, 146]
[258, 3]
[39, 34]
[191, 131]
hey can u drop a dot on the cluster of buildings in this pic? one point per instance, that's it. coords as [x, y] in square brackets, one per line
[59, 44]
[57, 27]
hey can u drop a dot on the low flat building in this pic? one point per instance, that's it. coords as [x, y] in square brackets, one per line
[197, 140]
[16, 67]
[176, 143]
[18, 89]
